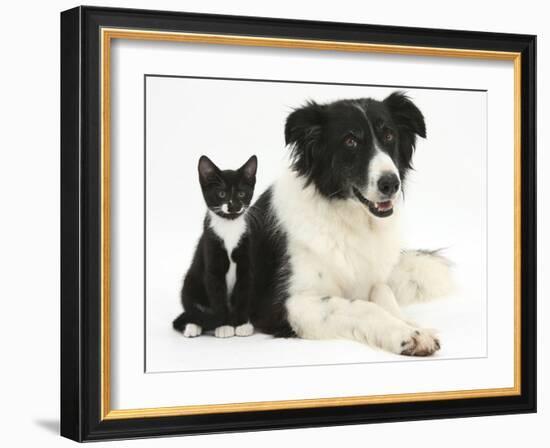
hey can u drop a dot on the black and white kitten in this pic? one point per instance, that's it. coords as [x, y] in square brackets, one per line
[215, 293]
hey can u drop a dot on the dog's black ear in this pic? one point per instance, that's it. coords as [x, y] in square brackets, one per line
[410, 123]
[303, 131]
[405, 114]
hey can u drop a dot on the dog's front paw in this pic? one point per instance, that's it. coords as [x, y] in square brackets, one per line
[225, 331]
[244, 329]
[420, 343]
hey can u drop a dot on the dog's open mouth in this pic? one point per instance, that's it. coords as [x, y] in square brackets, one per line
[379, 209]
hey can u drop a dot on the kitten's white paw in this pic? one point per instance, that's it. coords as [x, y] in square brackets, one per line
[192, 331]
[244, 329]
[225, 331]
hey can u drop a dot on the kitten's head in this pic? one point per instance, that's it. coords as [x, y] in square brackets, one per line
[227, 193]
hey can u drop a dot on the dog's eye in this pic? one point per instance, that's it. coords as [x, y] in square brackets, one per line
[221, 194]
[241, 194]
[388, 136]
[350, 141]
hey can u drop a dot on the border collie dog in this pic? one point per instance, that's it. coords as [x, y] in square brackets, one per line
[326, 260]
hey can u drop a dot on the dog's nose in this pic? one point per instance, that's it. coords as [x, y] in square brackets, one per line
[388, 184]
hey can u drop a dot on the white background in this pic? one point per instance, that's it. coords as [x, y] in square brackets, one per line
[231, 120]
[30, 241]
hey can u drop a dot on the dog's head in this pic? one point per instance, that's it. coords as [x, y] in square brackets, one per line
[360, 149]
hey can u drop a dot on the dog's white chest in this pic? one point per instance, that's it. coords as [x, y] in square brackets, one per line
[335, 247]
[230, 232]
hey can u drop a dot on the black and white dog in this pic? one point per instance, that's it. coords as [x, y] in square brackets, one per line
[325, 244]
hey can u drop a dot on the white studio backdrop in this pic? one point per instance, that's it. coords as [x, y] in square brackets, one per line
[30, 182]
[174, 364]
[230, 120]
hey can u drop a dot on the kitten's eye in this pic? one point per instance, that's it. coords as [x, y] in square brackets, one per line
[350, 141]
[221, 194]
[241, 194]
[388, 136]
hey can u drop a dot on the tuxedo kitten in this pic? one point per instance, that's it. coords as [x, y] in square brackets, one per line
[215, 292]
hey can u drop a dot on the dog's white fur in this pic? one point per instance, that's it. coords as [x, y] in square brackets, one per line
[420, 276]
[342, 261]
[380, 164]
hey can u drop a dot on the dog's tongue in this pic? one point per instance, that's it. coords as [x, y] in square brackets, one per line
[385, 205]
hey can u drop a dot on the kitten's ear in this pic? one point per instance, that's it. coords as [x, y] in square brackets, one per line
[249, 169]
[207, 169]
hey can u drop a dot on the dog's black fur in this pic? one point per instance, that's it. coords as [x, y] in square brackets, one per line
[331, 146]
[319, 135]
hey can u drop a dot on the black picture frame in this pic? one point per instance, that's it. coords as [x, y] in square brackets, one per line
[81, 224]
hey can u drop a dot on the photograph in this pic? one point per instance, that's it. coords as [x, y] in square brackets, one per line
[275, 224]
[295, 223]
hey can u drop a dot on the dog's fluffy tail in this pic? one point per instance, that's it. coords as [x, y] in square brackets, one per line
[421, 275]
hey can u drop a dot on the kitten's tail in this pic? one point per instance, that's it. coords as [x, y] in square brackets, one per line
[421, 275]
[180, 322]
[205, 319]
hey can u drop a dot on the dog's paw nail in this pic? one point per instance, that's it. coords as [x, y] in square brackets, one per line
[421, 343]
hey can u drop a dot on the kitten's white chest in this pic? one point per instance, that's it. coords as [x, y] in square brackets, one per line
[230, 232]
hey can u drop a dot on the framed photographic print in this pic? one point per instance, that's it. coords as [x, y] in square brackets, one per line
[272, 223]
